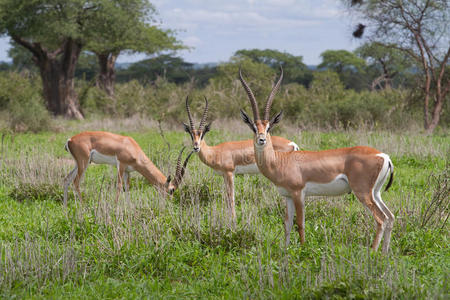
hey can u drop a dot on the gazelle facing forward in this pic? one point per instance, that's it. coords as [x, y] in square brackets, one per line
[228, 158]
[299, 174]
[102, 147]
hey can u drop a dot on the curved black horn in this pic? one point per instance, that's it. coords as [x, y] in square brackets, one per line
[191, 121]
[181, 171]
[251, 97]
[178, 167]
[272, 95]
[205, 114]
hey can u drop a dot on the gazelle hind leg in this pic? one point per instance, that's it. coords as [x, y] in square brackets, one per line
[380, 217]
[67, 181]
[382, 177]
[389, 222]
[289, 219]
[81, 168]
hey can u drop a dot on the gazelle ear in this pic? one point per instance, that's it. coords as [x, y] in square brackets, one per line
[207, 128]
[276, 119]
[187, 128]
[248, 121]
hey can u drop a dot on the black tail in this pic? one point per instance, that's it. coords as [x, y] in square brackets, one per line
[391, 179]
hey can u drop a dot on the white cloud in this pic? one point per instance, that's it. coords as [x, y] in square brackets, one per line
[192, 41]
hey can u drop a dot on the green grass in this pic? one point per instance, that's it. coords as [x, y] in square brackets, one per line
[148, 246]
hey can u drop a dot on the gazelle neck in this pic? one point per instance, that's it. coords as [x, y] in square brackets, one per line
[265, 156]
[153, 175]
[205, 152]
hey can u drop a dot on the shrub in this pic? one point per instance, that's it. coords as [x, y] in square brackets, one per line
[21, 98]
[29, 191]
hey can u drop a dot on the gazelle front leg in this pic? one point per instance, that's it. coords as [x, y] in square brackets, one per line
[288, 219]
[299, 202]
[121, 177]
[229, 185]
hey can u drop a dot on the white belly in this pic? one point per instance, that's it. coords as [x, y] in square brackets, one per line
[101, 159]
[283, 192]
[338, 186]
[247, 169]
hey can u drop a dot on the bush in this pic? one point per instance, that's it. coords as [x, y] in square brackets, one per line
[21, 98]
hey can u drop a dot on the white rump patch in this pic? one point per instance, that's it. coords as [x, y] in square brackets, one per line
[294, 145]
[384, 172]
[247, 169]
[336, 187]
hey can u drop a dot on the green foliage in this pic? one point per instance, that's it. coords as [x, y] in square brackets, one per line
[386, 61]
[126, 25]
[21, 97]
[349, 67]
[341, 60]
[294, 68]
[172, 68]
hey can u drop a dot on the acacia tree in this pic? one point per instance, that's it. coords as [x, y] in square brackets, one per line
[295, 69]
[125, 26]
[53, 31]
[420, 29]
[388, 63]
[347, 65]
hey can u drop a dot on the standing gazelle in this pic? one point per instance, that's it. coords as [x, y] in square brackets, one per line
[228, 158]
[102, 147]
[300, 174]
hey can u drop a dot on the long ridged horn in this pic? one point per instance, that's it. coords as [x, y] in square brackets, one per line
[271, 96]
[181, 170]
[251, 97]
[205, 114]
[191, 121]
[178, 167]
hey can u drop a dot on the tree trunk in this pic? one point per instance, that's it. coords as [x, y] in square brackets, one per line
[57, 69]
[107, 76]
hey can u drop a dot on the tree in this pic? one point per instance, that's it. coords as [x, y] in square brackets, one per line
[53, 31]
[388, 63]
[125, 25]
[347, 65]
[172, 68]
[295, 69]
[420, 29]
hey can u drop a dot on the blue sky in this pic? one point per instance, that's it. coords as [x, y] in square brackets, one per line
[217, 28]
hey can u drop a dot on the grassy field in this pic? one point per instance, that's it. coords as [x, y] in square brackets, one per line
[183, 247]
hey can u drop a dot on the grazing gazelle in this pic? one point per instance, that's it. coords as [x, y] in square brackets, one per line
[228, 158]
[102, 147]
[299, 174]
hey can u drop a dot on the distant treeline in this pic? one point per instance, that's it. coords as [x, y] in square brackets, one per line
[358, 70]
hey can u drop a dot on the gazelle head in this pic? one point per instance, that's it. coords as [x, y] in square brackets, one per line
[261, 128]
[197, 135]
[171, 185]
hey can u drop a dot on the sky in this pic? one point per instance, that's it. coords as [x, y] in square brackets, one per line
[215, 29]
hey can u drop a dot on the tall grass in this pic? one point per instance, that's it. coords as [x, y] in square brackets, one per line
[147, 245]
